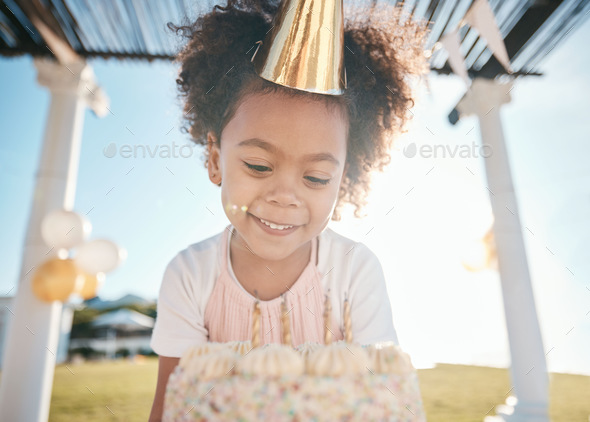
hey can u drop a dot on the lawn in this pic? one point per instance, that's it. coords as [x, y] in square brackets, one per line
[460, 393]
[123, 391]
[102, 391]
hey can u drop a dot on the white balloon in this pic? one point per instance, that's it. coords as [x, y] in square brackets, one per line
[64, 229]
[99, 255]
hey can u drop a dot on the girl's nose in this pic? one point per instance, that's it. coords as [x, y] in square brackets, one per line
[282, 191]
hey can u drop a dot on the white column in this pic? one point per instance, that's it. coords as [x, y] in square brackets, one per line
[31, 343]
[529, 402]
[65, 329]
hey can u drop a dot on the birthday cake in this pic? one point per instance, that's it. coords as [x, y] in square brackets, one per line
[313, 382]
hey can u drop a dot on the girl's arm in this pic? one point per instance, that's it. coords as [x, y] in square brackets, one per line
[371, 314]
[165, 367]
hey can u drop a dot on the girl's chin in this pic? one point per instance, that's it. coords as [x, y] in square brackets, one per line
[271, 253]
[275, 250]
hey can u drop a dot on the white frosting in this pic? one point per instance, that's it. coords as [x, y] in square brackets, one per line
[200, 350]
[342, 382]
[273, 360]
[240, 347]
[207, 367]
[390, 359]
[338, 359]
[305, 349]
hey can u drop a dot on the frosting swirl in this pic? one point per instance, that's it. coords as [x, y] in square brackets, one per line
[210, 366]
[389, 359]
[305, 349]
[240, 347]
[200, 350]
[338, 359]
[272, 360]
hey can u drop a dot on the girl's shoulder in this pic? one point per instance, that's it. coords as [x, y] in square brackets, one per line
[351, 271]
[335, 247]
[208, 245]
[200, 257]
[343, 263]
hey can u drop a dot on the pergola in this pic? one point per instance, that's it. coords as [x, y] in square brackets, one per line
[62, 34]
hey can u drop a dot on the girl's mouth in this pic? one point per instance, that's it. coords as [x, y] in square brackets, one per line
[274, 228]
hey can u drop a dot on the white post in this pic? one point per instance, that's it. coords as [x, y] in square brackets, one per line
[30, 351]
[65, 329]
[528, 371]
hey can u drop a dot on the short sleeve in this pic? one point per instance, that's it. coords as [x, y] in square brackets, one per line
[371, 315]
[179, 321]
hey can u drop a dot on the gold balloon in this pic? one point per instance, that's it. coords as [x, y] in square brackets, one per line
[305, 47]
[487, 255]
[492, 251]
[476, 256]
[90, 285]
[55, 280]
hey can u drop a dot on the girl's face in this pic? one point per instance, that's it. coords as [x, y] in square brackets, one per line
[281, 161]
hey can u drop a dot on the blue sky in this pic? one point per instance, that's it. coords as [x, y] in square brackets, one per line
[156, 206]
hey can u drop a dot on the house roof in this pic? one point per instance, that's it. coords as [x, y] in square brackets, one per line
[124, 319]
[128, 299]
[127, 29]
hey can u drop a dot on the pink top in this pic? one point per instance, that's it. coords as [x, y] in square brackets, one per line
[228, 314]
[200, 299]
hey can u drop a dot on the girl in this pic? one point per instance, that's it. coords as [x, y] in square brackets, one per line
[286, 161]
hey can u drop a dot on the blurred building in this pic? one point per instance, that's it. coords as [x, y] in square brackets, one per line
[119, 331]
[115, 328]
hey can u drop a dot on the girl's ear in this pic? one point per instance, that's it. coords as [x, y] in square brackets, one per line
[214, 161]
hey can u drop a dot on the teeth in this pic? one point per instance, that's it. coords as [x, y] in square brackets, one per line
[275, 226]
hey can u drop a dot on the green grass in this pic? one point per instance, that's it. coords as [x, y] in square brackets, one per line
[468, 393]
[104, 391]
[123, 391]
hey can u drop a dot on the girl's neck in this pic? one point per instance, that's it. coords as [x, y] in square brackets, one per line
[269, 279]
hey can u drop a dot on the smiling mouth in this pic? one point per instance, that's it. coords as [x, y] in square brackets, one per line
[275, 225]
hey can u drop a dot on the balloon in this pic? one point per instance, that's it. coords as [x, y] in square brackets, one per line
[91, 284]
[475, 256]
[55, 279]
[99, 255]
[64, 229]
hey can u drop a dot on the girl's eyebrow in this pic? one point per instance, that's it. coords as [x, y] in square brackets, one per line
[267, 146]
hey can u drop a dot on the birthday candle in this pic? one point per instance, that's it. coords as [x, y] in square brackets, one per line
[347, 322]
[256, 325]
[286, 332]
[327, 315]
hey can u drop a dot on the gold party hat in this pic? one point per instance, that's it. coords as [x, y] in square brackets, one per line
[305, 47]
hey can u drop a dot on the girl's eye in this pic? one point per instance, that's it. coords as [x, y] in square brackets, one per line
[264, 169]
[257, 168]
[317, 181]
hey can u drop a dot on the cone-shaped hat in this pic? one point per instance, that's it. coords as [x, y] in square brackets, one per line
[305, 47]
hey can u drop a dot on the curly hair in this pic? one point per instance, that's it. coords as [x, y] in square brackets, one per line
[382, 52]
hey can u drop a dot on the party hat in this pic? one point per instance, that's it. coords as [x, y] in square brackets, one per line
[305, 47]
